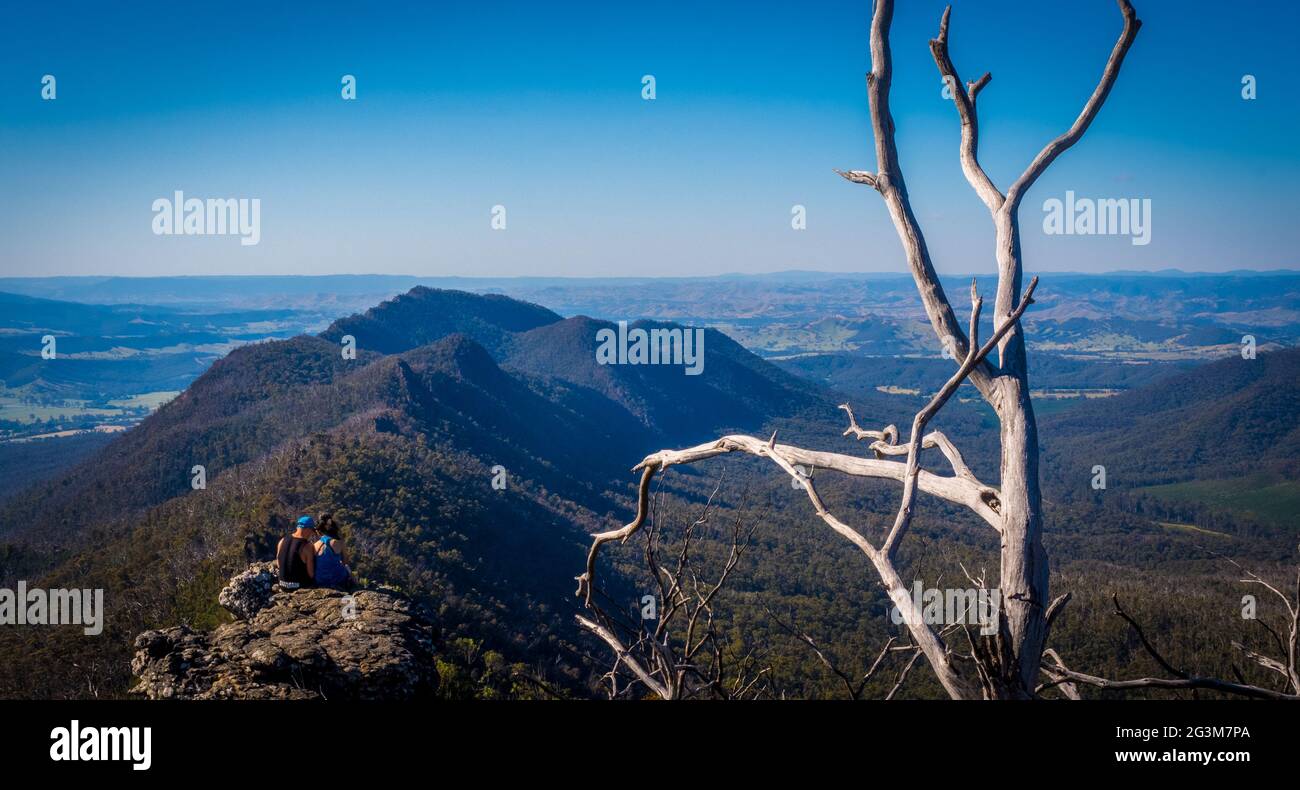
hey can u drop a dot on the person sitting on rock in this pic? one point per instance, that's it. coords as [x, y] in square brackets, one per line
[295, 556]
[331, 565]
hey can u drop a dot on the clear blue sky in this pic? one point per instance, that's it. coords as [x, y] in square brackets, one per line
[537, 106]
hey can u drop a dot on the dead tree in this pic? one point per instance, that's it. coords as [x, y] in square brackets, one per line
[681, 656]
[1283, 666]
[1009, 665]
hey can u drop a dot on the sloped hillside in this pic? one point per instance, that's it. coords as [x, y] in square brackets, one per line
[242, 407]
[735, 388]
[404, 448]
[1230, 417]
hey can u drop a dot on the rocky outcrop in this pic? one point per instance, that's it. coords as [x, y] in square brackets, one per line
[250, 592]
[304, 644]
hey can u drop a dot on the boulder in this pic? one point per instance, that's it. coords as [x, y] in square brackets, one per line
[304, 644]
[250, 591]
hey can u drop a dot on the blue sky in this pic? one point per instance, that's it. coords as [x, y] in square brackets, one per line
[537, 106]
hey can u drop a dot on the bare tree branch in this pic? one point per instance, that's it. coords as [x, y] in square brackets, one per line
[1071, 136]
[1008, 664]
[621, 534]
[1263, 660]
[1160, 659]
[625, 656]
[965, 102]
[1184, 680]
[675, 660]
[957, 490]
[1213, 684]
[860, 177]
[786, 457]
[1053, 611]
[888, 180]
[973, 358]
[851, 689]
[886, 444]
[1067, 688]
[902, 675]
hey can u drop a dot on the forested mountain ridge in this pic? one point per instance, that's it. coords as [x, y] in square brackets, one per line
[1229, 417]
[735, 389]
[405, 447]
[739, 387]
[408, 468]
[264, 394]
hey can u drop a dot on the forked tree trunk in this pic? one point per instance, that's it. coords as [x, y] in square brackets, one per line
[1007, 665]
[1024, 575]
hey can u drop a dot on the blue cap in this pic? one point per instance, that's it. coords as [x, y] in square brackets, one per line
[306, 522]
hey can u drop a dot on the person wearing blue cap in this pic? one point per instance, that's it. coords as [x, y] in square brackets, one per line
[297, 557]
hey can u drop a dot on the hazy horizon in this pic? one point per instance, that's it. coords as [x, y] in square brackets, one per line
[828, 273]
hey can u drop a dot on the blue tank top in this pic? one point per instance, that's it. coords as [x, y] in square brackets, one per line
[330, 571]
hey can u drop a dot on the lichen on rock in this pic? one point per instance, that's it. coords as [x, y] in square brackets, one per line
[303, 644]
[250, 591]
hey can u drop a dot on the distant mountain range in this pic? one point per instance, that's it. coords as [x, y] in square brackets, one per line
[141, 340]
[450, 391]
[1264, 302]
